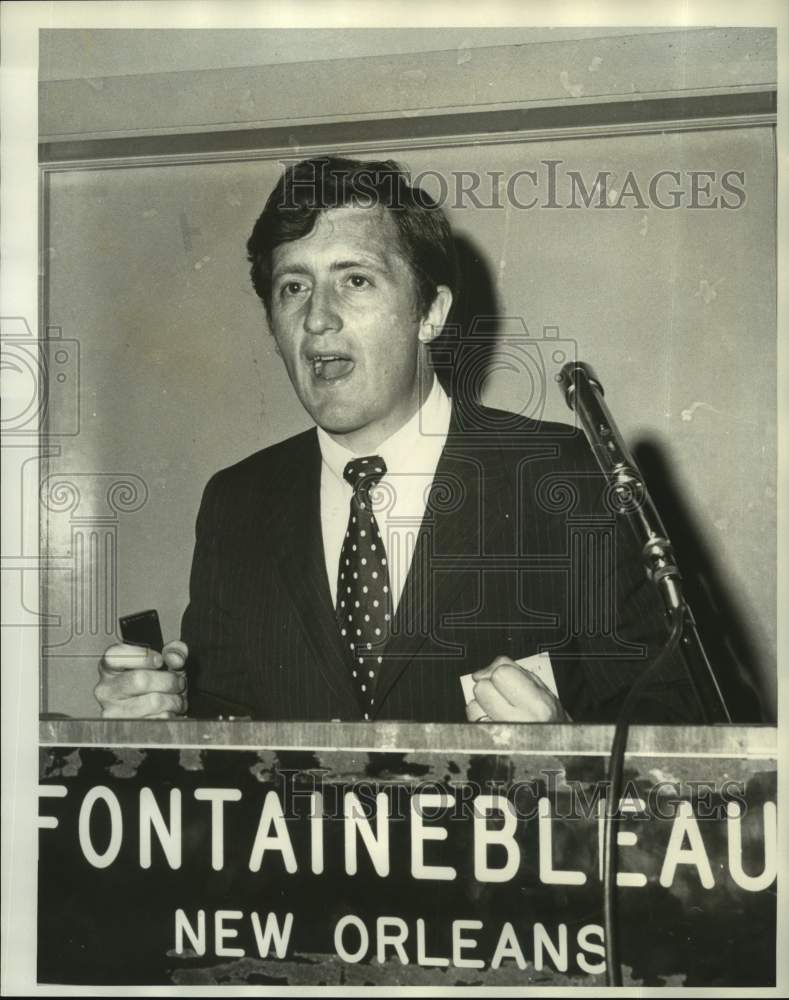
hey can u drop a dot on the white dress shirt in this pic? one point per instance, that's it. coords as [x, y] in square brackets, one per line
[411, 455]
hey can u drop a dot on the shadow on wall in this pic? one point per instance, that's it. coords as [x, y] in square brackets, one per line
[731, 646]
[477, 306]
[730, 643]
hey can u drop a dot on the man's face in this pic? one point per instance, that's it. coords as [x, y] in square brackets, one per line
[345, 318]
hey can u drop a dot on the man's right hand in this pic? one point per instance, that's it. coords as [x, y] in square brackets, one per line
[131, 685]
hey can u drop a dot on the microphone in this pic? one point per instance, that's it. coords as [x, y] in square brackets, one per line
[628, 493]
[628, 496]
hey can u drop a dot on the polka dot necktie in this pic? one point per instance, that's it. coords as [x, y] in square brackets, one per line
[364, 599]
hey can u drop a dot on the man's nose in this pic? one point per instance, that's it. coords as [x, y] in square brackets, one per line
[322, 313]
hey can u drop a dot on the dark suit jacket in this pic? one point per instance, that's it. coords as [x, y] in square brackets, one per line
[517, 553]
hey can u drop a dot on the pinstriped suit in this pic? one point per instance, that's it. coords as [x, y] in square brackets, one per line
[516, 553]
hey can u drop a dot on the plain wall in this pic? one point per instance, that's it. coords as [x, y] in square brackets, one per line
[675, 310]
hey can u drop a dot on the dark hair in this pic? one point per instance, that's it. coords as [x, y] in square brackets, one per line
[313, 186]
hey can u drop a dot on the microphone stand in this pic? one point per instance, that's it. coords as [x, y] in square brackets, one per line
[630, 497]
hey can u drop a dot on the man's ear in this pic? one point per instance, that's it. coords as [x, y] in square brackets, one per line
[435, 317]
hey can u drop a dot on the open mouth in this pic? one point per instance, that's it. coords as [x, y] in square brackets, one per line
[331, 367]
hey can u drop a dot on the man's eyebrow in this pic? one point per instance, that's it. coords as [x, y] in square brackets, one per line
[379, 262]
[290, 269]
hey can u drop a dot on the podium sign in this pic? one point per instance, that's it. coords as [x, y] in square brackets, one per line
[218, 854]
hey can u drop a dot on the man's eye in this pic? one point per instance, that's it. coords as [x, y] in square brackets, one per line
[358, 281]
[291, 288]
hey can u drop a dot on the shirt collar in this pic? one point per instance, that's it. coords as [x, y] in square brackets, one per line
[414, 448]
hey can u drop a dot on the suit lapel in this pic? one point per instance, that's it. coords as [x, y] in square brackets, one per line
[297, 542]
[465, 513]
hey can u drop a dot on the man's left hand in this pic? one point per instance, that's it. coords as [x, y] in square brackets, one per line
[505, 693]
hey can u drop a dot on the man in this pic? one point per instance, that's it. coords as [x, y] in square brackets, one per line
[359, 570]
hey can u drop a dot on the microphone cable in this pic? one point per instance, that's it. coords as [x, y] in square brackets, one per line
[616, 763]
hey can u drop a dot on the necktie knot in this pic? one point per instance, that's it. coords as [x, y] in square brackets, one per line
[362, 474]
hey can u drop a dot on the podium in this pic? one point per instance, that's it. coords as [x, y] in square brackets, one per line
[189, 853]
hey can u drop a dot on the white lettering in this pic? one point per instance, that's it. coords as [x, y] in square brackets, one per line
[316, 832]
[272, 934]
[484, 837]
[394, 938]
[271, 815]
[508, 946]
[196, 937]
[50, 792]
[108, 797]
[585, 936]
[169, 837]
[548, 874]
[753, 883]
[461, 944]
[217, 797]
[627, 838]
[685, 825]
[421, 833]
[339, 942]
[221, 933]
[542, 942]
[422, 957]
[377, 843]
